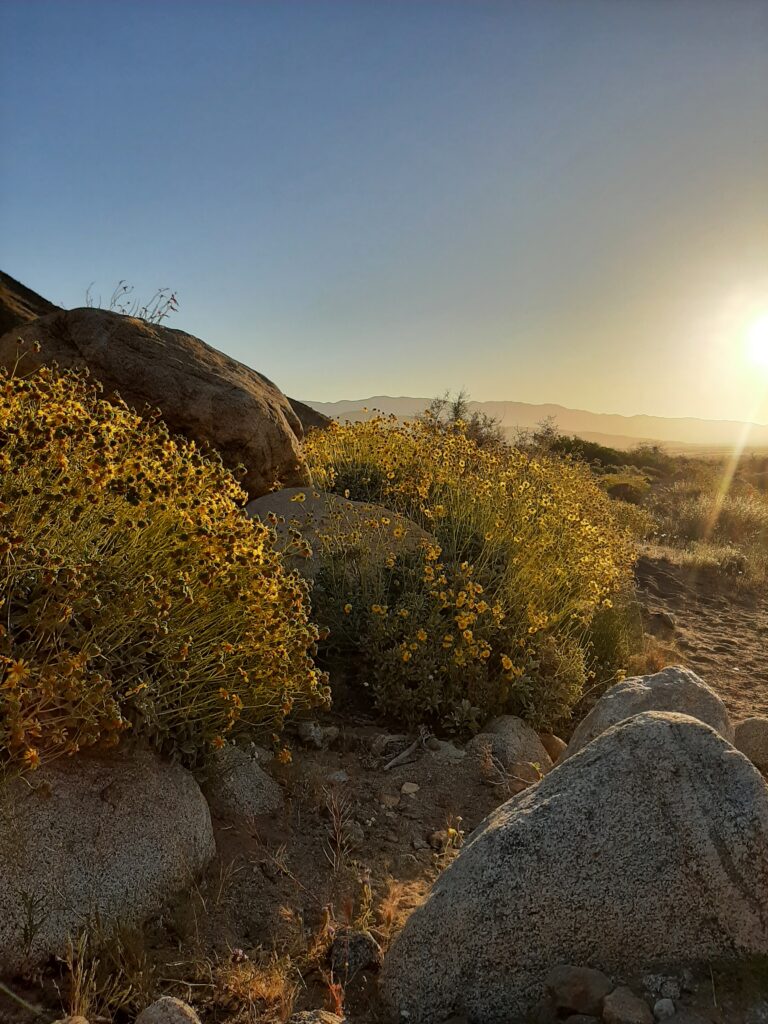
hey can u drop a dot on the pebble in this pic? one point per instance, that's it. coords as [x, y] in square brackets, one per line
[410, 788]
[663, 1009]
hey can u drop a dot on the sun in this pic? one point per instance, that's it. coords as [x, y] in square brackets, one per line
[756, 339]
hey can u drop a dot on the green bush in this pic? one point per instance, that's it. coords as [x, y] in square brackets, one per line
[494, 614]
[137, 597]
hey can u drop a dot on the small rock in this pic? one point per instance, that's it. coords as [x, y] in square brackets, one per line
[390, 799]
[338, 778]
[684, 1016]
[553, 745]
[580, 989]
[315, 1017]
[440, 840]
[667, 986]
[622, 1006]
[419, 844]
[663, 1009]
[444, 750]
[581, 1018]
[353, 951]
[312, 734]
[238, 788]
[670, 988]
[410, 788]
[381, 743]
[168, 1010]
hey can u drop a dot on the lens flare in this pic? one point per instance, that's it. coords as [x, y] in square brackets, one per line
[757, 341]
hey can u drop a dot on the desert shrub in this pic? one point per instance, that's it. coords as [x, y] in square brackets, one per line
[493, 614]
[136, 594]
[727, 531]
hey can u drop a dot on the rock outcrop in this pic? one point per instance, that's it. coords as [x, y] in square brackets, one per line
[19, 304]
[200, 392]
[673, 689]
[110, 836]
[649, 846]
[329, 523]
[309, 418]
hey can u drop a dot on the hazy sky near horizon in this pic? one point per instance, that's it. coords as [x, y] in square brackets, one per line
[547, 201]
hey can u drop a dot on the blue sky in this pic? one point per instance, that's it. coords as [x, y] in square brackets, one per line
[557, 201]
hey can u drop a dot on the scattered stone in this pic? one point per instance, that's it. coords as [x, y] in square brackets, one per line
[390, 799]
[444, 750]
[410, 788]
[622, 1006]
[168, 1010]
[312, 734]
[338, 778]
[353, 951]
[110, 835]
[237, 787]
[663, 1009]
[661, 623]
[666, 986]
[579, 989]
[582, 1018]
[418, 843]
[553, 745]
[384, 740]
[201, 393]
[752, 740]
[673, 689]
[565, 873]
[686, 1016]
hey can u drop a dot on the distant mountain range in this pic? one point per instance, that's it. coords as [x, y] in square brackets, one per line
[675, 433]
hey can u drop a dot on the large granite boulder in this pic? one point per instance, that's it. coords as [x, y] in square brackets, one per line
[331, 523]
[752, 740]
[112, 836]
[648, 847]
[200, 392]
[673, 689]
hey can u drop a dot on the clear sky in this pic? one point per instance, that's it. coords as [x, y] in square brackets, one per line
[559, 201]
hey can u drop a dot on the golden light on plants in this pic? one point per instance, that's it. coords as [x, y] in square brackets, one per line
[494, 614]
[756, 341]
[137, 597]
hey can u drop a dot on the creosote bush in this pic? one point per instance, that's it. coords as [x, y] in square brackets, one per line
[495, 614]
[137, 597]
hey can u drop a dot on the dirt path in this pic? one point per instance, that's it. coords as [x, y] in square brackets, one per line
[719, 631]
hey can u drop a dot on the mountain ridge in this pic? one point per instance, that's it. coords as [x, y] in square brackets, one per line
[626, 430]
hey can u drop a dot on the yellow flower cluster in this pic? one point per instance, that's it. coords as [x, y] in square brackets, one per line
[136, 594]
[525, 551]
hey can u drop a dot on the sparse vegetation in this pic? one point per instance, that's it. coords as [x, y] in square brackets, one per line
[157, 308]
[137, 597]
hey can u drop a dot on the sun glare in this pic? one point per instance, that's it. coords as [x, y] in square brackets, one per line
[757, 341]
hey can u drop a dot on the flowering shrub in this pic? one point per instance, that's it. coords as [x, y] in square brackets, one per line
[494, 615]
[136, 595]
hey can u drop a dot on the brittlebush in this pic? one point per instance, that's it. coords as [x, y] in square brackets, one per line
[494, 615]
[136, 596]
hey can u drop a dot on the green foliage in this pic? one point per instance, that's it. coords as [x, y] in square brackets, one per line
[137, 597]
[493, 614]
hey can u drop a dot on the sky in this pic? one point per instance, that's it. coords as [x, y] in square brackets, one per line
[547, 201]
